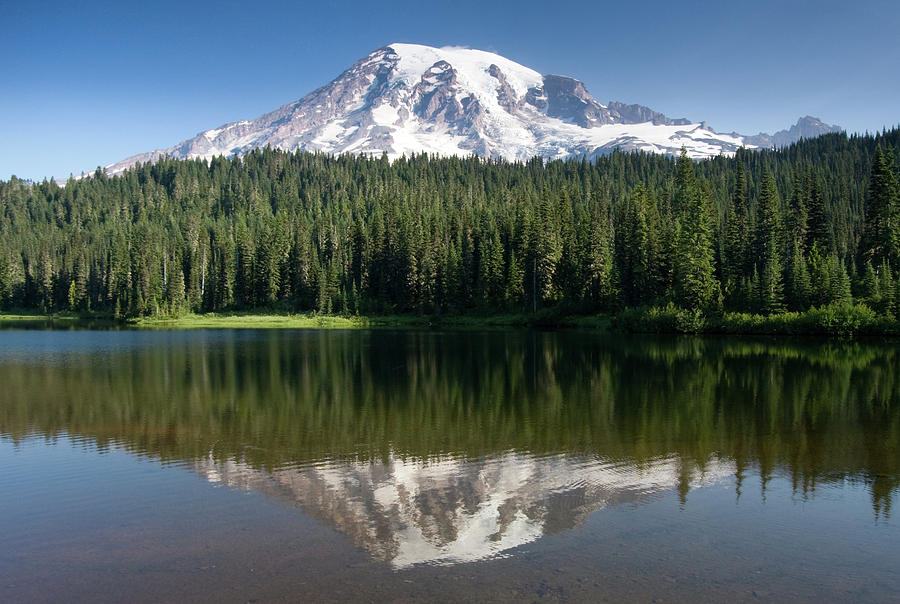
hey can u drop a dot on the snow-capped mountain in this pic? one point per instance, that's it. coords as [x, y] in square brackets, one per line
[407, 98]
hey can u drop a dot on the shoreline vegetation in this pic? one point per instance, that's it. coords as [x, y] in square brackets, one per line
[268, 319]
[840, 320]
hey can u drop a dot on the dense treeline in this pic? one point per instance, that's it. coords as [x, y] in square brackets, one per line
[763, 232]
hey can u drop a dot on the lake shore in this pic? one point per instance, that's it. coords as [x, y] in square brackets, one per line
[837, 320]
[264, 320]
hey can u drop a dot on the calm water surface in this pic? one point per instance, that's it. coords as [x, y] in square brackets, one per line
[429, 466]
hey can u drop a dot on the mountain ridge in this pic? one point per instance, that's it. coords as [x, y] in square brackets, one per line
[406, 98]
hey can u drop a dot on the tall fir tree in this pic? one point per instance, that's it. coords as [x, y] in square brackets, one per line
[696, 286]
[769, 247]
[818, 228]
[881, 236]
[736, 262]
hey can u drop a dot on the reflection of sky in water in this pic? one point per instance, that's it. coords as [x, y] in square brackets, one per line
[60, 347]
[448, 511]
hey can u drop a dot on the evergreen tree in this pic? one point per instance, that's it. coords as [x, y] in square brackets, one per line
[685, 181]
[175, 291]
[737, 244]
[818, 230]
[769, 237]
[599, 261]
[696, 285]
[820, 277]
[645, 247]
[547, 249]
[490, 271]
[887, 290]
[800, 286]
[798, 217]
[869, 289]
[6, 281]
[840, 283]
[881, 238]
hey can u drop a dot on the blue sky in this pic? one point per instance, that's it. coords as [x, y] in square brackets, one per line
[87, 83]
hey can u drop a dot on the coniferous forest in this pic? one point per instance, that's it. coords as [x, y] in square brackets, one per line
[764, 232]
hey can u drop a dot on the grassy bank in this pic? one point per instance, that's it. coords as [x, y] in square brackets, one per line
[314, 321]
[30, 316]
[274, 321]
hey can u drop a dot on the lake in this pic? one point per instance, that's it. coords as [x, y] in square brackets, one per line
[261, 465]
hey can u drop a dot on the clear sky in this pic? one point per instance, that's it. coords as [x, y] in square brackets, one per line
[89, 82]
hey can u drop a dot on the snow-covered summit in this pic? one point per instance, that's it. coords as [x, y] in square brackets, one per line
[472, 65]
[408, 99]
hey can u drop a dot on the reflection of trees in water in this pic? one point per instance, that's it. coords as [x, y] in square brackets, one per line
[822, 411]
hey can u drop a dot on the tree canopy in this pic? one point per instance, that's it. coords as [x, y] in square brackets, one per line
[761, 231]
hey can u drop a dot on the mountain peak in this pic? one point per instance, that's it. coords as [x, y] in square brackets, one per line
[409, 98]
[806, 127]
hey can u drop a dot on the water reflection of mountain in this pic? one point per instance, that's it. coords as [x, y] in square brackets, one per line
[818, 412]
[447, 511]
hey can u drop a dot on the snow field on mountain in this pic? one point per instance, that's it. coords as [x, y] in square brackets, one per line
[403, 99]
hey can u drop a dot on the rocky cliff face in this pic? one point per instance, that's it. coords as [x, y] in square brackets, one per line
[638, 114]
[406, 99]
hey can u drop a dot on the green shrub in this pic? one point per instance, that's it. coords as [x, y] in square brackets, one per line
[665, 319]
[842, 319]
